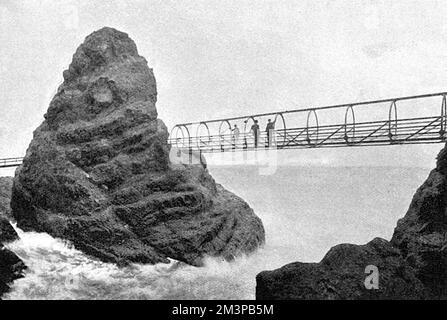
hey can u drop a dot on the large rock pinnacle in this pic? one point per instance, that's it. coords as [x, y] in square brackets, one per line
[98, 173]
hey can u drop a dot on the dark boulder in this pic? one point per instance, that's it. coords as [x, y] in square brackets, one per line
[7, 232]
[11, 267]
[98, 171]
[341, 276]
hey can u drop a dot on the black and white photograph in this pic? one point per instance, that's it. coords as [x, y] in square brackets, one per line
[241, 153]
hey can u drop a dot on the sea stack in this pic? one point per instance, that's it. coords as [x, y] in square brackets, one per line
[413, 265]
[98, 172]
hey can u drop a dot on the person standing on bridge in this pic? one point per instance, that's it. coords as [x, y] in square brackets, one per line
[269, 129]
[236, 133]
[255, 131]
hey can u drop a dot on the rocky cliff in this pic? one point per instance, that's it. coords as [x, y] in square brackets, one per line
[11, 266]
[413, 265]
[5, 195]
[98, 172]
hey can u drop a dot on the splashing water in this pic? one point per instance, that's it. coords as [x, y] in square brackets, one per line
[58, 271]
[326, 207]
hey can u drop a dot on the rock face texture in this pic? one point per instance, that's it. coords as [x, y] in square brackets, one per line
[7, 232]
[422, 234]
[98, 172]
[341, 275]
[5, 195]
[413, 265]
[11, 266]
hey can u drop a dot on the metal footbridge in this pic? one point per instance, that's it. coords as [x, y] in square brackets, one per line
[420, 119]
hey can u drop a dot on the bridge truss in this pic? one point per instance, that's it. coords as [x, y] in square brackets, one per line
[406, 120]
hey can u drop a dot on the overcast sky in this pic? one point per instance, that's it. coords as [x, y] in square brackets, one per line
[225, 58]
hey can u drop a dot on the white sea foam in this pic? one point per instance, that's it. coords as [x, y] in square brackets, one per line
[58, 271]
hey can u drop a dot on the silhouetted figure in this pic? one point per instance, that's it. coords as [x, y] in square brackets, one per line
[269, 129]
[255, 130]
[202, 160]
[236, 133]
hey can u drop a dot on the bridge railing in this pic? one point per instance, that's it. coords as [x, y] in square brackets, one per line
[10, 162]
[413, 119]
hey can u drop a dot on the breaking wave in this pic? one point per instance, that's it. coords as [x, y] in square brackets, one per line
[56, 270]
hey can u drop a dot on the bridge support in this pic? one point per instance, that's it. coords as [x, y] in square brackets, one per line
[392, 121]
[201, 141]
[283, 131]
[349, 113]
[312, 114]
[222, 133]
